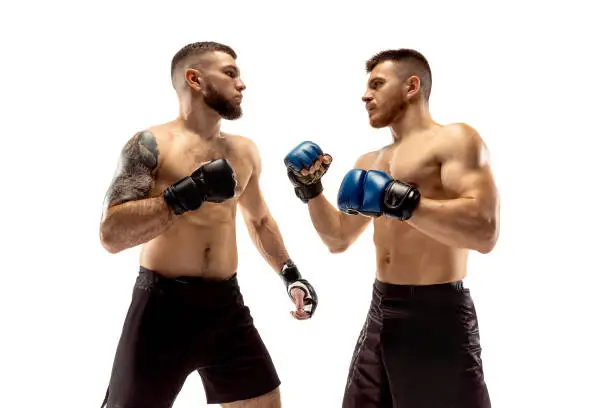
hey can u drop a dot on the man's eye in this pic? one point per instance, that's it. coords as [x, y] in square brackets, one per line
[231, 74]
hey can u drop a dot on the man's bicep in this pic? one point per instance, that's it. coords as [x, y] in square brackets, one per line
[466, 172]
[251, 201]
[134, 175]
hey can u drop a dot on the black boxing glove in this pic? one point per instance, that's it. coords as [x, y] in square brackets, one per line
[214, 181]
[303, 157]
[293, 279]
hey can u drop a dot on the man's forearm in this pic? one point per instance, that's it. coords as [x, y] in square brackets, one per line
[133, 223]
[461, 222]
[326, 220]
[267, 238]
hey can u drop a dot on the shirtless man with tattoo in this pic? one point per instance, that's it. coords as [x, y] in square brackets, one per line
[432, 198]
[175, 192]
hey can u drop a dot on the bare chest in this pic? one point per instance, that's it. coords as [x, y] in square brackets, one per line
[185, 156]
[413, 163]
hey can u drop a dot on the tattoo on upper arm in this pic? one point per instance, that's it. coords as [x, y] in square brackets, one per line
[133, 179]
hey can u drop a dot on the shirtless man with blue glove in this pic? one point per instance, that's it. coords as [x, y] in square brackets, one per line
[432, 198]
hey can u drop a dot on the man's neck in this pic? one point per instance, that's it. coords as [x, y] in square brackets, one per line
[200, 119]
[415, 119]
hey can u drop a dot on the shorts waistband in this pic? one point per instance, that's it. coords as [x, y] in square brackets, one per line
[151, 278]
[402, 291]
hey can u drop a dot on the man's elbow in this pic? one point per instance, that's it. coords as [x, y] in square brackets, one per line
[337, 245]
[337, 248]
[109, 245]
[107, 240]
[484, 247]
[259, 223]
[488, 236]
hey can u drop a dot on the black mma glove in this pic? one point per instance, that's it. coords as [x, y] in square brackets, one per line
[303, 157]
[214, 181]
[293, 279]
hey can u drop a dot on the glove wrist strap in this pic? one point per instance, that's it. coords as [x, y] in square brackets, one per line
[289, 273]
[400, 200]
[308, 192]
[183, 196]
[305, 192]
[173, 202]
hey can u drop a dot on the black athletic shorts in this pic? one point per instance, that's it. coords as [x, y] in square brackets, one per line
[419, 348]
[177, 326]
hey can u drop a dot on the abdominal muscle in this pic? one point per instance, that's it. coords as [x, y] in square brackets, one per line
[196, 244]
[406, 256]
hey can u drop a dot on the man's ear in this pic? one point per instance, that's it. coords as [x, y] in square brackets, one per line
[193, 79]
[412, 86]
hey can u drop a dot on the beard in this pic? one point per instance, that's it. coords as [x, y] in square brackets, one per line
[223, 106]
[386, 116]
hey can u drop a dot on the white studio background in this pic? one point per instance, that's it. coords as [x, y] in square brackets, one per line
[533, 77]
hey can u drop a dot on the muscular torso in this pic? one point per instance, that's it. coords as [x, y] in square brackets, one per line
[200, 242]
[405, 255]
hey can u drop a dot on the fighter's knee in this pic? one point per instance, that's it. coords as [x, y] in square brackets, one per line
[269, 400]
[275, 393]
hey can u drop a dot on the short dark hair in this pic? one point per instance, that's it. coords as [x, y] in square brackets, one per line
[199, 48]
[415, 62]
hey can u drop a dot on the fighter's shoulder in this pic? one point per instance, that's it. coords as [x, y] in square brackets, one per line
[241, 144]
[366, 160]
[460, 139]
[147, 145]
[141, 147]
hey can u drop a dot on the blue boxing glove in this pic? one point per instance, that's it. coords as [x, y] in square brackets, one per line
[304, 157]
[373, 193]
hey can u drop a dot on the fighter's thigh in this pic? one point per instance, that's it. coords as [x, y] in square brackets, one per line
[435, 382]
[142, 378]
[433, 370]
[269, 400]
[236, 364]
[148, 369]
[367, 383]
[157, 392]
